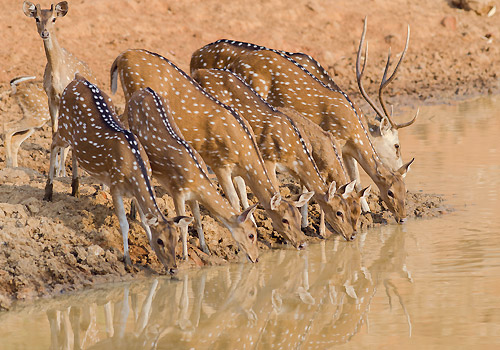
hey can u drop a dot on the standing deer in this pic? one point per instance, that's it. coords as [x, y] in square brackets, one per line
[114, 157]
[61, 65]
[224, 139]
[281, 144]
[29, 96]
[284, 83]
[182, 171]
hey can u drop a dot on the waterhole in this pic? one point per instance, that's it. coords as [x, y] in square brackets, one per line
[428, 284]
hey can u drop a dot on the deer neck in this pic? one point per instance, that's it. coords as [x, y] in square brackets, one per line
[218, 206]
[54, 52]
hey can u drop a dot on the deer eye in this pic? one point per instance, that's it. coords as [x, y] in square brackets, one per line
[339, 213]
[53, 20]
[390, 194]
[285, 221]
[37, 20]
[159, 241]
[396, 146]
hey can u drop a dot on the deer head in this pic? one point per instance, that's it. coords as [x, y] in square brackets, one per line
[45, 19]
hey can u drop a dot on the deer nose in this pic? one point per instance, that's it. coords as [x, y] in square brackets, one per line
[302, 245]
[353, 236]
[44, 34]
[402, 221]
[172, 271]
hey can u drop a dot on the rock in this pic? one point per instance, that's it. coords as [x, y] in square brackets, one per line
[95, 250]
[449, 22]
[481, 7]
[13, 211]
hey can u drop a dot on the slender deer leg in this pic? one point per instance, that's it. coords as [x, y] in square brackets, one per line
[16, 140]
[75, 183]
[224, 177]
[143, 221]
[124, 227]
[304, 211]
[195, 208]
[180, 209]
[353, 172]
[322, 228]
[9, 162]
[50, 179]
[241, 190]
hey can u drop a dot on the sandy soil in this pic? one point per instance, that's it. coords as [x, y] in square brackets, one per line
[49, 248]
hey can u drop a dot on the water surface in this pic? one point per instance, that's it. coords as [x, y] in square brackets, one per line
[429, 284]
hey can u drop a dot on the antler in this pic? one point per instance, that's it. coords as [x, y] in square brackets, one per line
[359, 74]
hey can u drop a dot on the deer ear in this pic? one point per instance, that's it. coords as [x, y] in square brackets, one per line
[182, 221]
[61, 9]
[151, 220]
[406, 167]
[29, 9]
[384, 126]
[303, 199]
[246, 214]
[347, 189]
[331, 191]
[275, 201]
[365, 192]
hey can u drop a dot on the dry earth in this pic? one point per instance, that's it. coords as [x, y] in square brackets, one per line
[50, 248]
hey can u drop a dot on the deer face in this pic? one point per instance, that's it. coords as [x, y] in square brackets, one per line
[244, 233]
[45, 19]
[393, 192]
[286, 218]
[337, 211]
[164, 237]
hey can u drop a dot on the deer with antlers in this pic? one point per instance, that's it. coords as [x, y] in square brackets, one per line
[115, 157]
[223, 138]
[285, 83]
[61, 65]
[29, 96]
[281, 144]
[182, 171]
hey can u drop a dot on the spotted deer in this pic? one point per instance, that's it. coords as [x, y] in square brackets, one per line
[327, 154]
[61, 65]
[182, 171]
[30, 98]
[115, 157]
[280, 143]
[224, 140]
[284, 83]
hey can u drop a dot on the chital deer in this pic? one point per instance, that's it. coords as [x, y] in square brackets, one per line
[182, 171]
[224, 139]
[327, 154]
[113, 156]
[61, 65]
[284, 83]
[280, 142]
[30, 97]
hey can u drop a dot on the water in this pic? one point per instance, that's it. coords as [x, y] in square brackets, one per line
[430, 284]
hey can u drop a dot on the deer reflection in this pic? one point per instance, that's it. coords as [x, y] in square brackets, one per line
[314, 298]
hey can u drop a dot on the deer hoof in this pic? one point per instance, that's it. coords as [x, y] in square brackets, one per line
[48, 192]
[75, 188]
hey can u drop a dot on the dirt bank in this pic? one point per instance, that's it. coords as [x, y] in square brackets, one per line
[48, 248]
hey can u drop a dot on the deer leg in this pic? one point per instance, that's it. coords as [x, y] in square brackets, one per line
[143, 220]
[180, 209]
[322, 228]
[8, 149]
[304, 211]
[195, 208]
[50, 179]
[124, 227]
[75, 183]
[224, 177]
[353, 172]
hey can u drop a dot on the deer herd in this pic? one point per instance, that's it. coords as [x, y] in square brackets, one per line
[245, 112]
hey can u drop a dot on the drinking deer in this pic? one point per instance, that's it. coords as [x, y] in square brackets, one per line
[61, 65]
[280, 143]
[327, 154]
[224, 139]
[30, 97]
[182, 171]
[284, 83]
[115, 157]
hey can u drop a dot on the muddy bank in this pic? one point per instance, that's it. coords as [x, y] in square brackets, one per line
[72, 243]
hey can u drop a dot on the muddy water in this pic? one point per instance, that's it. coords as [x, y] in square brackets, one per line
[429, 284]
